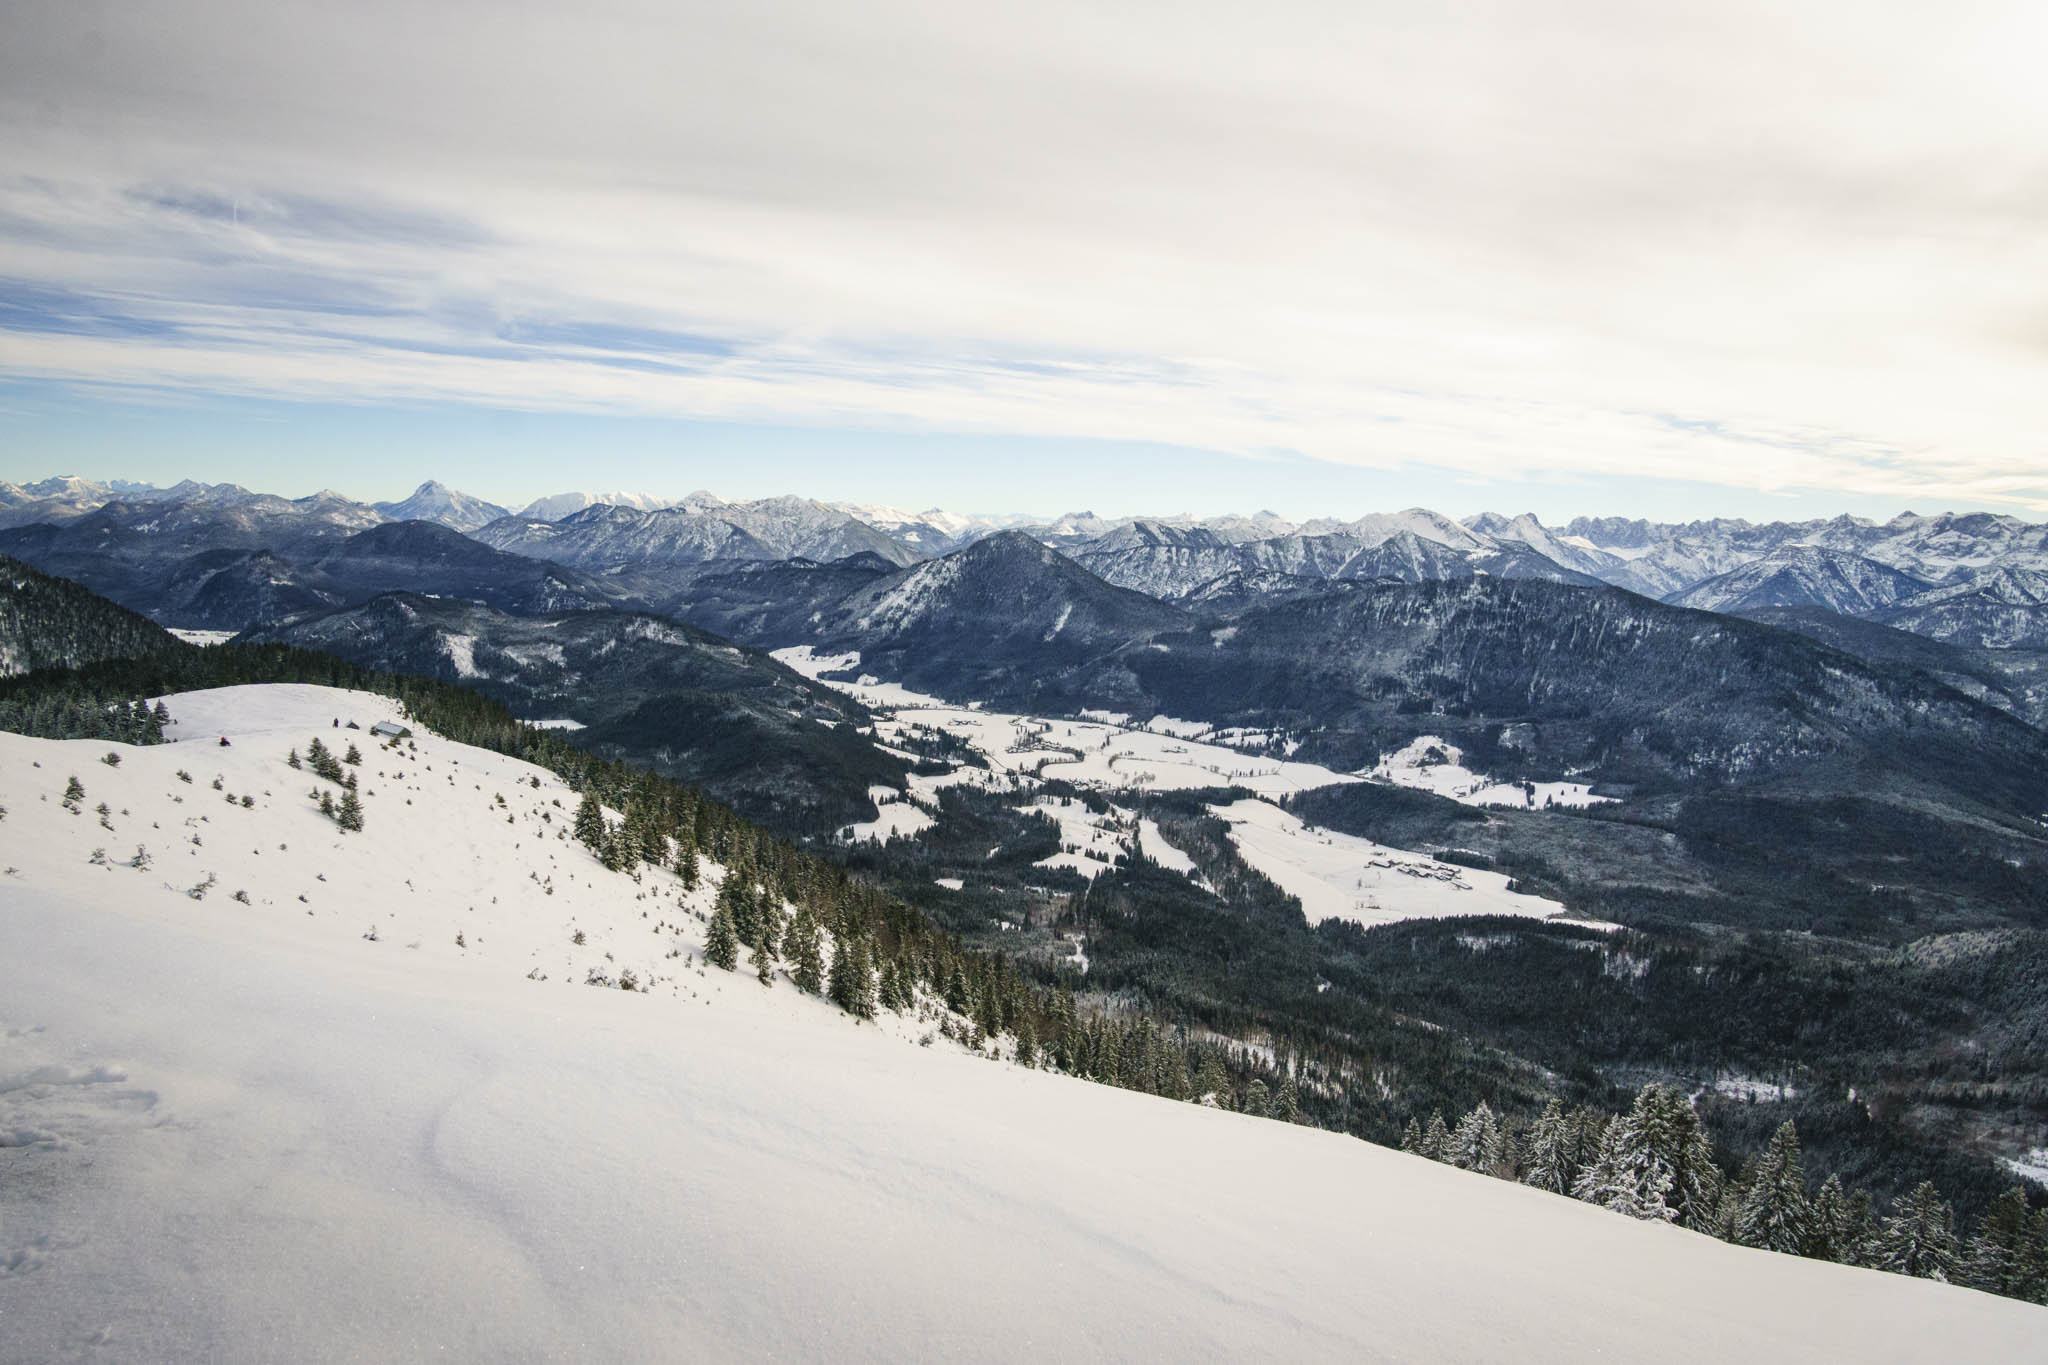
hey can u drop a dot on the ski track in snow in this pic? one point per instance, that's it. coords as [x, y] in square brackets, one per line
[246, 1132]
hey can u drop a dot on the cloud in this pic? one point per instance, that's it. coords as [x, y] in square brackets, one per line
[1772, 250]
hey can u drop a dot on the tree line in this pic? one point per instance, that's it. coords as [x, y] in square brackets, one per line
[1656, 1162]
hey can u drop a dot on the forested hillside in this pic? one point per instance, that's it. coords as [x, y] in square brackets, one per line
[48, 622]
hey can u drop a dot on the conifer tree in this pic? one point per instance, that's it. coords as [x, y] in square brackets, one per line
[1999, 1259]
[1475, 1143]
[350, 815]
[1655, 1162]
[1830, 1230]
[764, 962]
[1918, 1236]
[1256, 1101]
[852, 984]
[722, 943]
[1436, 1138]
[806, 957]
[2034, 1265]
[1549, 1161]
[1287, 1102]
[589, 828]
[353, 756]
[1027, 1042]
[737, 895]
[1411, 1136]
[1773, 1213]
[686, 865]
[74, 792]
[1695, 1179]
[1626, 1176]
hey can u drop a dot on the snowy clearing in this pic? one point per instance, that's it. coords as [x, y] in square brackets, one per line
[202, 637]
[2033, 1166]
[1340, 876]
[1432, 764]
[1090, 844]
[1095, 752]
[1159, 851]
[248, 1132]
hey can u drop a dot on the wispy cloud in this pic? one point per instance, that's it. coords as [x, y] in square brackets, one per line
[1775, 251]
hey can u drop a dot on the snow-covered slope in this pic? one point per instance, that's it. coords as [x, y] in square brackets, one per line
[248, 1132]
[555, 506]
[437, 502]
[1803, 576]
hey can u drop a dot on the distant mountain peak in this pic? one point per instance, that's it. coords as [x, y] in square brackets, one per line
[436, 502]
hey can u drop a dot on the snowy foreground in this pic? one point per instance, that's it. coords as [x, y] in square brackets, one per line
[247, 1132]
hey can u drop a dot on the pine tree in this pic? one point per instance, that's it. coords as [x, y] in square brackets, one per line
[722, 944]
[1695, 1179]
[1027, 1042]
[806, 957]
[590, 826]
[350, 815]
[764, 962]
[353, 756]
[2033, 1285]
[1411, 1136]
[74, 792]
[1999, 1259]
[1918, 1236]
[1475, 1144]
[1256, 1101]
[1773, 1213]
[735, 893]
[686, 866]
[852, 984]
[1436, 1139]
[1626, 1176]
[1287, 1102]
[1548, 1159]
[292, 759]
[1829, 1225]
[1655, 1162]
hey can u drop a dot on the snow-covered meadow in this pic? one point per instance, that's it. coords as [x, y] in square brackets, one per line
[1103, 752]
[1334, 875]
[1433, 764]
[1340, 876]
[254, 1131]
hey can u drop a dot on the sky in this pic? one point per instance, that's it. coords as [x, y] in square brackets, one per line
[1613, 258]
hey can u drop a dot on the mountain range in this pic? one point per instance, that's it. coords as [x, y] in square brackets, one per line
[1978, 580]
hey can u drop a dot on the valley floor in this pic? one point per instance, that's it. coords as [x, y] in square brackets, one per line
[248, 1133]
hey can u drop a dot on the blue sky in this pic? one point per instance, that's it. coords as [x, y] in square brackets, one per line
[1602, 257]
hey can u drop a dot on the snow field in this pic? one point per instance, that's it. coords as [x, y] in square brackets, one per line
[247, 1133]
[1340, 876]
[1090, 752]
[1443, 773]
